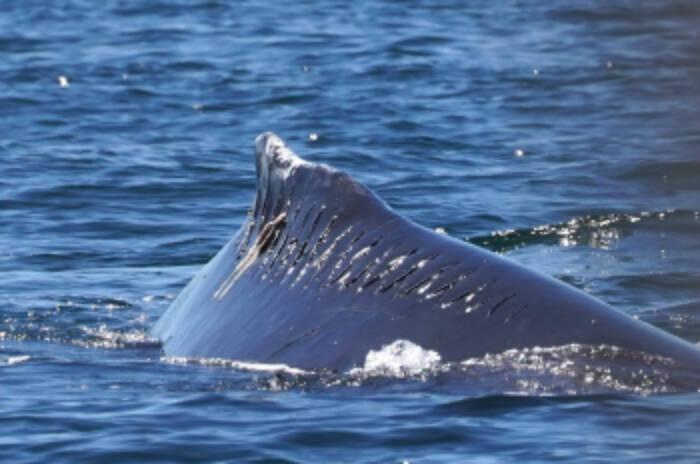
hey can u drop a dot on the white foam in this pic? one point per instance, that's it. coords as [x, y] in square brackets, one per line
[242, 365]
[102, 337]
[400, 358]
[12, 360]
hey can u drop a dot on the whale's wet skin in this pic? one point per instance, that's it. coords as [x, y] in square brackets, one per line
[324, 275]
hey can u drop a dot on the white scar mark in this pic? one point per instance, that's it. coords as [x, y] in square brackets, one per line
[268, 234]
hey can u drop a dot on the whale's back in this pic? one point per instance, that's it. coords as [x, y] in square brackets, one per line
[323, 271]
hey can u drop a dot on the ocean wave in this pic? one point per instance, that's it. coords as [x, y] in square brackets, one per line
[103, 337]
[594, 231]
[14, 360]
[567, 370]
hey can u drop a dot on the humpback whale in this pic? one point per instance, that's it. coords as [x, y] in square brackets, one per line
[323, 271]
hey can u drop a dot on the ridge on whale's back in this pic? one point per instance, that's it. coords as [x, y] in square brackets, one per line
[322, 272]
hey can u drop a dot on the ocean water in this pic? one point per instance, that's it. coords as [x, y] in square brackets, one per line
[563, 135]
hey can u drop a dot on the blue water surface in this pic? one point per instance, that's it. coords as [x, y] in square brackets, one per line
[563, 135]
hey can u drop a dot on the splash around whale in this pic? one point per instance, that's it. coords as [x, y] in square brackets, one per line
[323, 273]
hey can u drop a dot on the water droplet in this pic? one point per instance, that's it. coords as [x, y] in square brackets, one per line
[518, 152]
[63, 81]
[313, 136]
